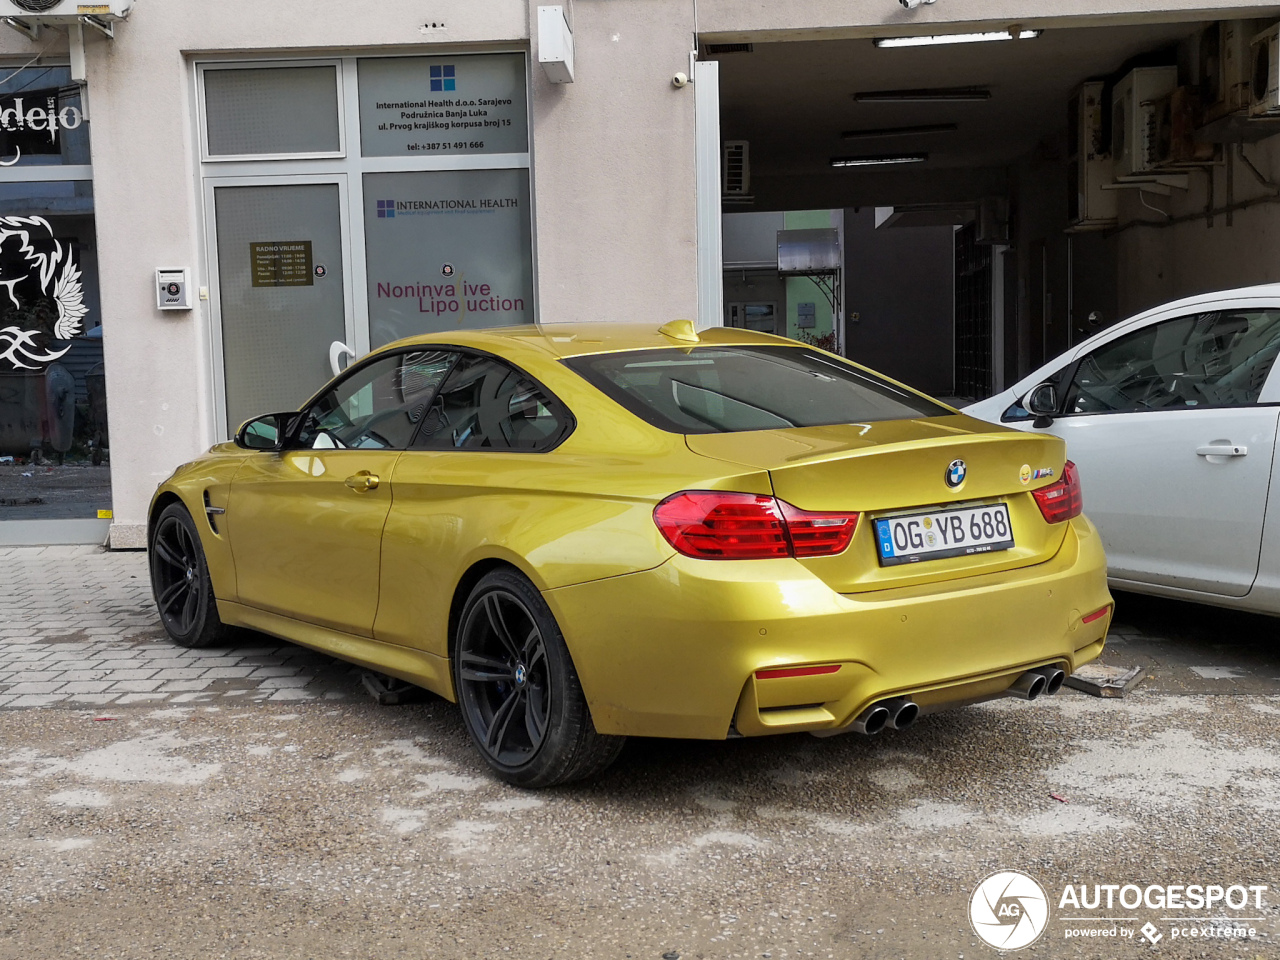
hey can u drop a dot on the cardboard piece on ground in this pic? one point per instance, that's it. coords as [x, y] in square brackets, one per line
[1101, 680]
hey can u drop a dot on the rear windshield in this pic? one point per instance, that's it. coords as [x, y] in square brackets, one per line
[728, 389]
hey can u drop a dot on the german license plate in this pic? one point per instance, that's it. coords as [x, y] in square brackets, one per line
[945, 533]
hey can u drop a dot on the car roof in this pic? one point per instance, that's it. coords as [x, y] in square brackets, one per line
[1262, 291]
[562, 340]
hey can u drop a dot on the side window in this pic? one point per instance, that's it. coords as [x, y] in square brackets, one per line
[1218, 359]
[378, 406]
[485, 404]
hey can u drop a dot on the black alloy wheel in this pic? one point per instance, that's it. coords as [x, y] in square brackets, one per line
[518, 690]
[180, 581]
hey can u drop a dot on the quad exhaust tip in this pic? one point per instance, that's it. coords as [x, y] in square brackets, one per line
[898, 713]
[872, 720]
[1036, 683]
[902, 712]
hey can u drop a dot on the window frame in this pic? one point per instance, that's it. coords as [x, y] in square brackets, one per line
[1065, 375]
[202, 114]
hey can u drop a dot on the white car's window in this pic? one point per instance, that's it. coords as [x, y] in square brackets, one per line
[1218, 359]
[378, 405]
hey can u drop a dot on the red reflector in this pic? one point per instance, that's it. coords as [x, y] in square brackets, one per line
[1062, 500]
[711, 525]
[1096, 615]
[797, 672]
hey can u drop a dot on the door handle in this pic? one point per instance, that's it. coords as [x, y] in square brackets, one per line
[336, 350]
[1222, 450]
[363, 482]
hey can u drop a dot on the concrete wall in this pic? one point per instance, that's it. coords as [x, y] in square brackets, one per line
[751, 238]
[901, 283]
[1159, 262]
[614, 168]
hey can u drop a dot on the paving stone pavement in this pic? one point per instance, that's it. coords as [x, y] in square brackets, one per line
[78, 626]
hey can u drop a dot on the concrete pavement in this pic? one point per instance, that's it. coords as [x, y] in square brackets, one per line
[183, 811]
[78, 627]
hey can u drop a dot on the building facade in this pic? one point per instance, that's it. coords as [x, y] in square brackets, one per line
[316, 180]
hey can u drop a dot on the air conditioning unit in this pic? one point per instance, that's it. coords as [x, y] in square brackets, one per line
[1178, 116]
[1264, 89]
[64, 11]
[735, 168]
[1089, 206]
[1134, 118]
[1225, 67]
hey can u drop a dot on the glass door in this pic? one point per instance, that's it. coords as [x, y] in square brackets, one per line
[282, 290]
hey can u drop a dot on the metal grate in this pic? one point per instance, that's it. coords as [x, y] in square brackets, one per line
[973, 315]
[36, 6]
[736, 169]
[714, 48]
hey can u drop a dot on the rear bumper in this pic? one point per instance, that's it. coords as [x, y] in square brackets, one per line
[674, 651]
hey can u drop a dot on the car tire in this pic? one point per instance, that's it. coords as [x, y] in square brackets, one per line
[518, 690]
[180, 581]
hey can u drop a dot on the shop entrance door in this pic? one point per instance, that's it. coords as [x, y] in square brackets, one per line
[283, 298]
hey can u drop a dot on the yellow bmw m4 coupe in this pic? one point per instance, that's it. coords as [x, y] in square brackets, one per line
[584, 532]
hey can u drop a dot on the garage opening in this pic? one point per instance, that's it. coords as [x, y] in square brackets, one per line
[999, 199]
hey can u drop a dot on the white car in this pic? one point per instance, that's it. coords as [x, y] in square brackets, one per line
[1171, 419]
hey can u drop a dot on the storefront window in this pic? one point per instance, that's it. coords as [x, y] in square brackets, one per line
[432, 106]
[54, 441]
[272, 111]
[42, 121]
[447, 249]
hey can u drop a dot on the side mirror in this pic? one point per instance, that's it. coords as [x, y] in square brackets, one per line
[265, 432]
[1042, 400]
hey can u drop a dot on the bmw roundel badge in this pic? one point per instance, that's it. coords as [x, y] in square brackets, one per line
[956, 472]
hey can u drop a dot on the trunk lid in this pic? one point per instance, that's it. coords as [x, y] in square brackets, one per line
[897, 467]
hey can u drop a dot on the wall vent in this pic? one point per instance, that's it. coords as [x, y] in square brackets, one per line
[735, 168]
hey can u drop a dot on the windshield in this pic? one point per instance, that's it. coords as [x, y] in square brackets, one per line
[735, 388]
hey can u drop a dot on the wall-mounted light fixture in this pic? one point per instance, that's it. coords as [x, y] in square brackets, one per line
[883, 160]
[882, 133]
[930, 95]
[1014, 33]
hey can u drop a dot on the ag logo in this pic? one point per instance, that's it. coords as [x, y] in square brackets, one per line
[1009, 910]
[956, 472]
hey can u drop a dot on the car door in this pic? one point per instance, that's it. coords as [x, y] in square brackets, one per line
[472, 469]
[306, 522]
[1175, 448]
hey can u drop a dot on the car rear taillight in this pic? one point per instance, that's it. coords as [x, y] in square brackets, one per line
[1062, 500]
[711, 525]
[818, 534]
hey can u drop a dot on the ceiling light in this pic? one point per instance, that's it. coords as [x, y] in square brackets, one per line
[936, 94]
[889, 42]
[879, 161]
[883, 132]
